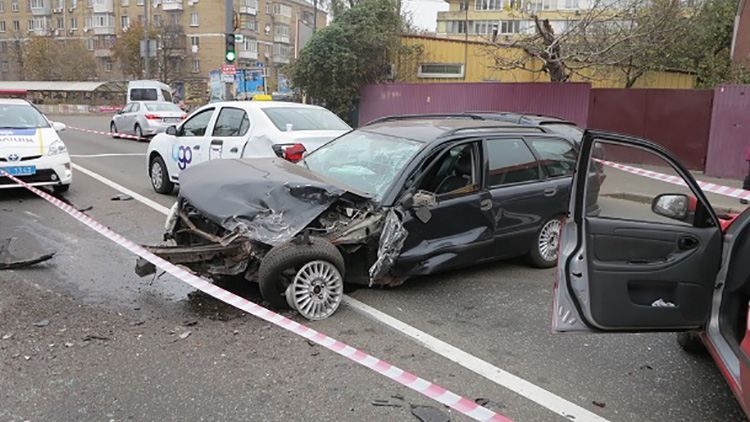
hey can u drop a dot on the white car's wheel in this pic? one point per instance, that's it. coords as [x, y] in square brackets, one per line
[159, 176]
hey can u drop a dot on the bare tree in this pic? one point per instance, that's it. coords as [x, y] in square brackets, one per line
[629, 37]
[171, 52]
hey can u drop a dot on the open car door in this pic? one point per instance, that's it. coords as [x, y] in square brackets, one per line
[638, 252]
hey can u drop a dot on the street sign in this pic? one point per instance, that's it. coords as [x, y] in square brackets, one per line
[238, 38]
[227, 78]
[228, 69]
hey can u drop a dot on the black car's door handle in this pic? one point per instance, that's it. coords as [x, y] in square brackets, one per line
[485, 205]
[550, 191]
[687, 242]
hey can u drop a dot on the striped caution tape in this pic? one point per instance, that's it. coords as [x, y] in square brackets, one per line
[113, 134]
[407, 379]
[675, 180]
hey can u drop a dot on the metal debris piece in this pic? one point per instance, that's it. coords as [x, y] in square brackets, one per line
[8, 261]
[185, 335]
[42, 323]
[429, 414]
[7, 336]
[84, 209]
[598, 403]
[95, 337]
[384, 403]
[482, 401]
[189, 323]
[68, 344]
[121, 197]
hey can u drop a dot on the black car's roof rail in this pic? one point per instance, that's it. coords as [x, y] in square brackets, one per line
[426, 116]
[508, 126]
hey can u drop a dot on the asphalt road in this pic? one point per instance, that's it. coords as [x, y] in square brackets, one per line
[113, 348]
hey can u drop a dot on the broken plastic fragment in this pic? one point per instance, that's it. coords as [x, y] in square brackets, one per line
[661, 303]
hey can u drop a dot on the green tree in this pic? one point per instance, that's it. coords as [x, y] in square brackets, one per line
[352, 51]
[127, 51]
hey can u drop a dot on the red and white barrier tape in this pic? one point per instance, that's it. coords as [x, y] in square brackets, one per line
[113, 134]
[675, 180]
[407, 379]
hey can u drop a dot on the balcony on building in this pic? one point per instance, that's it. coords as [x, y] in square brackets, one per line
[280, 59]
[281, 38]
[248, 7]
[41, 7]
[103, 52]
[41, 32]
[105, 30]
[247, 55]
[104, 6]
[171, 5]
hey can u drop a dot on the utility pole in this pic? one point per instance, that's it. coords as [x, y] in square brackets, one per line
[145, 40]
[466, 37]
[315, 16]
[228, 29]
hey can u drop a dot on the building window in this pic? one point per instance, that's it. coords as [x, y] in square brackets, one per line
[60, 23]
[463, 5]
[89, 22]
[2, 26]
[74, 23]
[249, 44]
[89, 44]
[195, 42]
[196, 66]
[107, 66]
[281, 30]
[102, 20]
[456, 27]
[509, 27]
[282, 10]
[441, 70]
[2, 6]
[4, 66]
[488, 4]
[14, 5]
[139, 2]
[124, 3]
[37, 4]
[249, 23]
[157, 20]
[281, 50]
[89, 3]
[16, 26]
[539, 5]
[194, 19]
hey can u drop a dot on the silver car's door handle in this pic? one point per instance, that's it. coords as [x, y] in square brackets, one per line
[550, 191]
[485, 205]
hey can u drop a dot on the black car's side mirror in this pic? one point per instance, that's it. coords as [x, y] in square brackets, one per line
[407, 201]
[671, 205]
[172, 130]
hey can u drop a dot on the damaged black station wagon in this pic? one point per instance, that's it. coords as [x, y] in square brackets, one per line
[400, 197]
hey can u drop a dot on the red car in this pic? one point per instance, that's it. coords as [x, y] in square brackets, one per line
[672, 265]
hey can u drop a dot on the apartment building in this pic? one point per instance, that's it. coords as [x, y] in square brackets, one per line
[270, 30]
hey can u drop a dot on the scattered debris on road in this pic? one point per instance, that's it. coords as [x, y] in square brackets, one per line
[41, 323]
[84, 209]
[598, 403]
[429, 414]
[95, 337]
[8, 261]
[7, 336]
[121, 197]
[385, 403]
[185, 335]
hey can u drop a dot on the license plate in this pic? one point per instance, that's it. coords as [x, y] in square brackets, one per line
[20, 170]
[171, 119]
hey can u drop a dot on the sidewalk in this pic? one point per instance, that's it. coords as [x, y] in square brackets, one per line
[633, 187]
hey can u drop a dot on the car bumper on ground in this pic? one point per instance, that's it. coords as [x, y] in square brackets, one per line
[50, 171]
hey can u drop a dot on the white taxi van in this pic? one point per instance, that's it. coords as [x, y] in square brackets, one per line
[30, 148]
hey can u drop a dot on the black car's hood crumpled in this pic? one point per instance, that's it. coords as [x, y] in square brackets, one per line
[269, 200]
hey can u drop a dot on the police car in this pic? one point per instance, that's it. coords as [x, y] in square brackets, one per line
[239, 129]
[30, 148]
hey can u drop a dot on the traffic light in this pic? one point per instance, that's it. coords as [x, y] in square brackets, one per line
[229, 52]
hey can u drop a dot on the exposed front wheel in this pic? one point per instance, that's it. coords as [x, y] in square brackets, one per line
[306, 276]
[138, 131]
[545, 249]
[160, 176]
[113, 129]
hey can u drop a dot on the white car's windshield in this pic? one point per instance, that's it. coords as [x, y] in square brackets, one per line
[365, 161]
[304, 118]
[162, 107]
[19, 116]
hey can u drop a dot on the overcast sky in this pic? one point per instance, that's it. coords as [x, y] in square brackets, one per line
[424, 12]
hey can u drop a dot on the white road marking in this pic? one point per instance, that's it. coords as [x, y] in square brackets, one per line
[138, 197]
[485, 369]
[125, 154]
[500, 377]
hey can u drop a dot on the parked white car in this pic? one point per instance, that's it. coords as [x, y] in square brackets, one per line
[145, 118]
[30, 148]
[239, 129]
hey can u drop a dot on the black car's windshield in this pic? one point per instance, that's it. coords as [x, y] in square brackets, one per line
[304, 118]
[21, 116]
[366, 161]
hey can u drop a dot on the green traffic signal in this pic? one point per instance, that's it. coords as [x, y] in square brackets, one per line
[229, 55]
